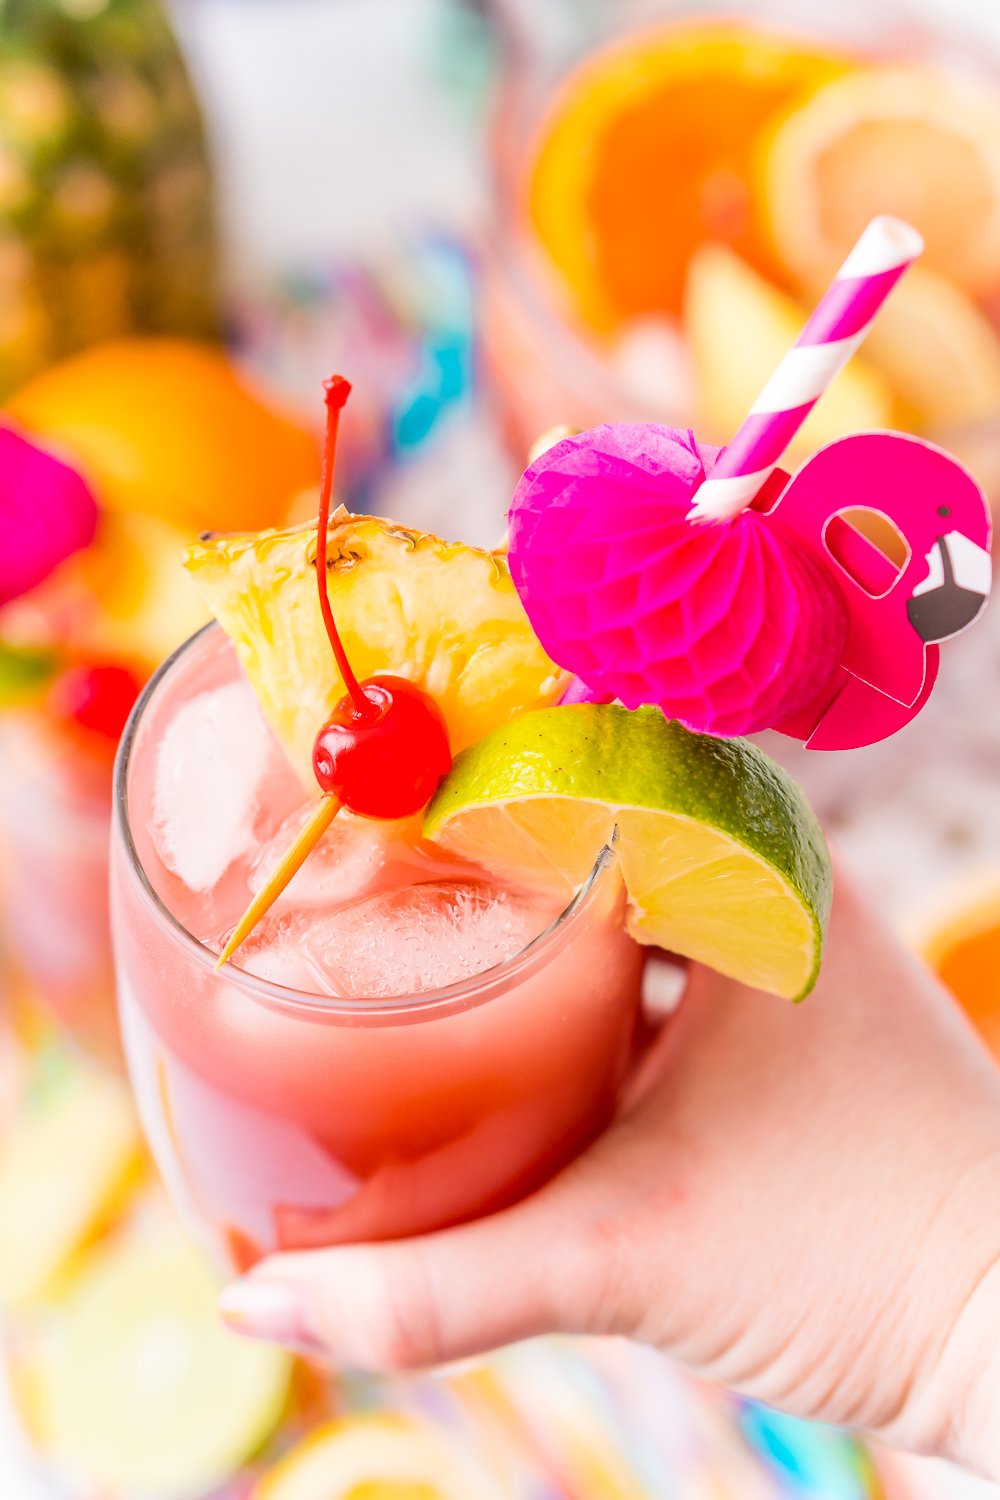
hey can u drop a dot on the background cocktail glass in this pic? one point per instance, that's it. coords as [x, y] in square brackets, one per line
[545, 365]
[283, 1119]
[118, 606]
[54, 815]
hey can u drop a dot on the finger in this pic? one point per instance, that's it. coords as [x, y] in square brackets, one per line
[558, 1262]
[408, 1304]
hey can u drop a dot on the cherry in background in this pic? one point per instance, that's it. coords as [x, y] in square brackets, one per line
[95, 698]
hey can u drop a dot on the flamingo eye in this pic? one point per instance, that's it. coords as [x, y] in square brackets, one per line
[944, 510]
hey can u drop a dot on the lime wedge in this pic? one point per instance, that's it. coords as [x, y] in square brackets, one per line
[140, 1390]
[380, 1457]
[722, 856]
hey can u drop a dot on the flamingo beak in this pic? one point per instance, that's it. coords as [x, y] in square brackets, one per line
[955, 590]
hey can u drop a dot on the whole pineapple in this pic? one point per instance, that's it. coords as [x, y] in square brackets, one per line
[105, 204]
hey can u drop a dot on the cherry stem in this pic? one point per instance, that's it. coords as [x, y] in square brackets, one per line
[337, 391]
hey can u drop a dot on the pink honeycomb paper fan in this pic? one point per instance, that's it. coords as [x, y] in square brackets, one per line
[733, 626]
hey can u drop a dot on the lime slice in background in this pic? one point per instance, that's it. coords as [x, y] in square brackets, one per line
[722, 856]
[137, 1386]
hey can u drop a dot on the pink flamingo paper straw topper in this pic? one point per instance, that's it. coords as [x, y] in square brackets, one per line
[662, 571]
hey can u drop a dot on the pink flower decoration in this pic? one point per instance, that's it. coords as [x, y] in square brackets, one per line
[46, 513]
[729, 627]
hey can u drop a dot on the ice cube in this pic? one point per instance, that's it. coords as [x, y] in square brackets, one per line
[276, 950]
[211, 767]
[355, 857]
[345, 864]
[421, 937]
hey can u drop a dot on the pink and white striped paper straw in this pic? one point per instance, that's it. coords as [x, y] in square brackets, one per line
[841, 320]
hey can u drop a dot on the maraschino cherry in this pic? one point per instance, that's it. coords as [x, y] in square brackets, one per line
[386, 764]
[383, 749]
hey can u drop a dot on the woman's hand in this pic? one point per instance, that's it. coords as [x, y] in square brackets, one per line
[802, 1203]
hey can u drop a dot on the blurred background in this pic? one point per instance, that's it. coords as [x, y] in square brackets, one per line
[495, 216]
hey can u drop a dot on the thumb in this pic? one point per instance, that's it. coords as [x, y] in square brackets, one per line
[406, 1304]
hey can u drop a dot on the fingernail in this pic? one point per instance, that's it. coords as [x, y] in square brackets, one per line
[270, 1310]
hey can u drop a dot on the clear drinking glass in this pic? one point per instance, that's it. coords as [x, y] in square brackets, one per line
[284, 1119]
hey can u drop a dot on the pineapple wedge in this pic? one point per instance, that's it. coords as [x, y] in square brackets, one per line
[444, 615]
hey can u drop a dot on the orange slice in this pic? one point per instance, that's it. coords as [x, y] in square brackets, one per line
[646, 152]
[963, 949]
[911, 141]
[169, 428]
[143, 604]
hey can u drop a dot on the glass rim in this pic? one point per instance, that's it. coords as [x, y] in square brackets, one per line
[461, 995]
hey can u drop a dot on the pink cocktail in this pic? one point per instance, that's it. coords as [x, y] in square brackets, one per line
[404, 1045]
[54, 812]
